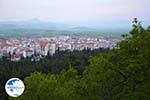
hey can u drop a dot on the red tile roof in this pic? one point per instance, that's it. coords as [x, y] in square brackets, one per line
[43, 44]
[29, 50]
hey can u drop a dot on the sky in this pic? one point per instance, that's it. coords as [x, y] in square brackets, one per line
[82, 12]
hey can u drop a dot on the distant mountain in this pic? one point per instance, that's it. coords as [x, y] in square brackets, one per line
[43, 25]
[32, 24]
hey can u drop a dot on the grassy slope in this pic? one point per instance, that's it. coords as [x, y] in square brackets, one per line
[18, 33]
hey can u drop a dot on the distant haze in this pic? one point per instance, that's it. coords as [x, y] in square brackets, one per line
[93, 13]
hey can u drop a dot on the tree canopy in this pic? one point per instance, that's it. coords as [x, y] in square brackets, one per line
[121, 74]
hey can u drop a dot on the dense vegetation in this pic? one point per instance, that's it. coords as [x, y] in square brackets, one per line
[121, 74]
[49, 65]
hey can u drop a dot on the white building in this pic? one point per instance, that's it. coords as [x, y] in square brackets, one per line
[52, 49]
[29, 53]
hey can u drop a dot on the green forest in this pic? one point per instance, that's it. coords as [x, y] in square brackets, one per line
[49, 65]
[118, 74]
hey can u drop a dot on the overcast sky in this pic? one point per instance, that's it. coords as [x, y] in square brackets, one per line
[83, 12]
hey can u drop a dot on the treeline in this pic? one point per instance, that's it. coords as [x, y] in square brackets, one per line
[121, 74]
[49, 65]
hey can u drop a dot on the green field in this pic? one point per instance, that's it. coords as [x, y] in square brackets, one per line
[18, 33]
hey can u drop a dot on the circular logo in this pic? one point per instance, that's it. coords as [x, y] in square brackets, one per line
[14, 87]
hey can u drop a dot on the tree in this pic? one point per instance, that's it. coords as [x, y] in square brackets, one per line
[121, 74]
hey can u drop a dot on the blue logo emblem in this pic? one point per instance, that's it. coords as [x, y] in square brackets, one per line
[14, 87]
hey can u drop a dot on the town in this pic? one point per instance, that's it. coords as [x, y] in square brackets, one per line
[37, 48]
